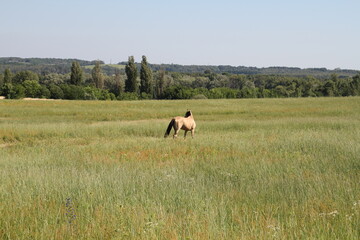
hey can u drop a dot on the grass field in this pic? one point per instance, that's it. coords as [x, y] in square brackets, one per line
[256, 169]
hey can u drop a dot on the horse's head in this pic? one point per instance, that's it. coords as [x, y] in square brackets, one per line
[188, 113]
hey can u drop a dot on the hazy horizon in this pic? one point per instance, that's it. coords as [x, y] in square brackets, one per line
[139, 61]
[307, 34]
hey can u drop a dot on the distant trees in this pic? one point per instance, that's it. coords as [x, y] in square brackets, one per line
[115, 83]
[73, 92]
[94, 83]
[355, 85]
[7, 76]
[131, 84]
[22, 76]
[32, 88]
[56, 92]
[329, 88]
[160, 84]
[97, 76]
[120, 82]
[146, 78]
[8, 91]
[54, 78]
[76, 76]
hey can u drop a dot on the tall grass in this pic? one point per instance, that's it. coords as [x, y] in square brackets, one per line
[256, 169]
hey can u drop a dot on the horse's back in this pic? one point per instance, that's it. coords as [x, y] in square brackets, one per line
[188, 124]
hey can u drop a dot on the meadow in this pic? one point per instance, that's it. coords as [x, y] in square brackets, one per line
[256, 169]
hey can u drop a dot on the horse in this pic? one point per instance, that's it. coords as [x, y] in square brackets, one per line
[186, 123]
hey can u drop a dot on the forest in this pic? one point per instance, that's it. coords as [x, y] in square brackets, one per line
[93, 80]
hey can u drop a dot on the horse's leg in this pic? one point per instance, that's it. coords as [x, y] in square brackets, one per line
[192, 133]
[185, 133]
[176, 132]
[176, 129]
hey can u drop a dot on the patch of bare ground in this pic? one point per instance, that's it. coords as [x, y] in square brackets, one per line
[41, 99]
[30, 99]
[5, 145]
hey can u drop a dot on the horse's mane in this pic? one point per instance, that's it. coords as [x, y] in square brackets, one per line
[188, 113]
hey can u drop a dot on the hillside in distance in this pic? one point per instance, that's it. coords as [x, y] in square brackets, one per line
[40, 65]
[285, 71]
[62, 66]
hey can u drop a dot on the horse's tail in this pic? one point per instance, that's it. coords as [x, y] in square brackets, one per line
[171, 124]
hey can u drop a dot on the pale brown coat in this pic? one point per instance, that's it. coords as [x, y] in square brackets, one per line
[186, 123]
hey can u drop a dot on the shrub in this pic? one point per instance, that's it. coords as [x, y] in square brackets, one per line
[223, 93]
[73, 92]
[44, 92]
[8, 90]
[128, 96]
[32, 88]
[23, 76]
[144, 95]
[247, 93]
[19, 91]
[93, 93]
[199, 96]
[56, 92]
[178, 92]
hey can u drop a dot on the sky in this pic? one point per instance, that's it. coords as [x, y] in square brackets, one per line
[257, 33]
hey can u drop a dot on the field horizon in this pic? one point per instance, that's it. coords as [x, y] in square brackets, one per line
[270, 168]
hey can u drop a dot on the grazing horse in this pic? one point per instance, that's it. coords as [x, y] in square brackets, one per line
[186, 123]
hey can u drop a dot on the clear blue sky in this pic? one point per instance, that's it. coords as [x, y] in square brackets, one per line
[261, 33]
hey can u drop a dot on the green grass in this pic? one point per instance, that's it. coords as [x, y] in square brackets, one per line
[256, 169]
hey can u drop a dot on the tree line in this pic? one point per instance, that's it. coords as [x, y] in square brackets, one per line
[45, 66]
[141, 81]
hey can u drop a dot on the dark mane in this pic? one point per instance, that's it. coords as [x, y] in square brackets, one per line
[188, 113]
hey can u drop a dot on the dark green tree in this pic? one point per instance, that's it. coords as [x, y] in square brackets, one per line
[7, 76]
[45, 92]
[355, 85]
[73, 92]
[97, 76]
[56, 92]
[119, 83]
[76, 76]
[344, 87]
[19, 91]
[32, 88]
[8, 91]
[54, 78]
[146, 77]
[311, 85]
[23, 76]
[1, 81]
[160, 83]
[131, 84]
[329, 88]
